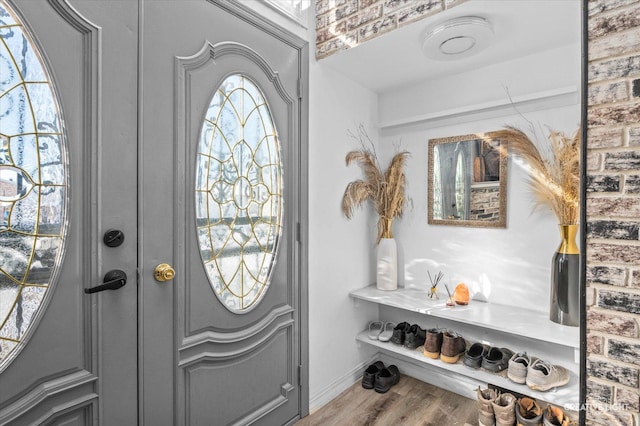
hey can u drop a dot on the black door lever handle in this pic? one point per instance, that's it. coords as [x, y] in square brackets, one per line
[113, 280]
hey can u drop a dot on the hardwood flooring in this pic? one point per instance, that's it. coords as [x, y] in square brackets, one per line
[410, 402]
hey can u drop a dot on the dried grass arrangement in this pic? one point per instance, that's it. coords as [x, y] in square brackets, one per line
[384, 188]
[554, 167]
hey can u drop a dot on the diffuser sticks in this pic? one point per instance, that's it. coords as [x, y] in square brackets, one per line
[433, 294]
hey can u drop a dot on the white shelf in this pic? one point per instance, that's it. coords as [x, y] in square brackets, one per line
[567, 394]
[502, 318]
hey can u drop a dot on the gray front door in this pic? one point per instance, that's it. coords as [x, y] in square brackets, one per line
[68, 164]
[138, 85]
[221, 181]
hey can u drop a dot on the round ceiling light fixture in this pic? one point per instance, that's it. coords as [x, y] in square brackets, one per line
[457, 38]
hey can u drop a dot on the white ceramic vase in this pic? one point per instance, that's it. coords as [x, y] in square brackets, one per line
[387, 264]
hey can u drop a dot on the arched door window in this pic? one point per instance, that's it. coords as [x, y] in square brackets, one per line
[33, 185]
[238, 193]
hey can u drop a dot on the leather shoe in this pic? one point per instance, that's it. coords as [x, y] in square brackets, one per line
[369, 376]
[433, 343]
[386, 378]
[453, 346]
[414, 337]
[399, 333]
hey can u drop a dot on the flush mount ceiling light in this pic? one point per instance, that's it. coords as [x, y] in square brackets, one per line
[457, 38]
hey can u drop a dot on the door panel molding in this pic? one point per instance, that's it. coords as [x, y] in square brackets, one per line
[52, 397]
[273, 397]
[257, 329]
[212, 350]
[186, 69]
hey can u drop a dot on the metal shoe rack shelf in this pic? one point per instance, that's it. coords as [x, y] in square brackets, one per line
[521, 330]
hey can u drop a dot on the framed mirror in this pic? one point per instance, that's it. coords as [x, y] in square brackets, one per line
[467, 183]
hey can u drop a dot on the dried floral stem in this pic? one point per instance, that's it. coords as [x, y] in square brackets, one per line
[385, 189]
[554, 170]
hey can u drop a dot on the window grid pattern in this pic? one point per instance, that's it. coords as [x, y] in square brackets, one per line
[238, 194]
[33, 185]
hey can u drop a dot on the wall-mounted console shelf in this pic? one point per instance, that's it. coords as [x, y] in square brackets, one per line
[561, 343]
[507, 319]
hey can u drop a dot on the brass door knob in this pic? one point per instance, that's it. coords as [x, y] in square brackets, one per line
[164, 272]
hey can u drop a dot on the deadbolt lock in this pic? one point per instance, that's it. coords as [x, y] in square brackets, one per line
[164, 272]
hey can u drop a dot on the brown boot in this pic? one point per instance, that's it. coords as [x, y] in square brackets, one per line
[554, 416]
[453, 345]
[433, 343]
[528, 412]
[504, 408]
[485, 406]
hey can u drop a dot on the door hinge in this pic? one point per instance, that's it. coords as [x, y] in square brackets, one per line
[300, 375]
[299, 88]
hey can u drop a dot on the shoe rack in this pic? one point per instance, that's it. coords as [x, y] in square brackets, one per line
[497, 325]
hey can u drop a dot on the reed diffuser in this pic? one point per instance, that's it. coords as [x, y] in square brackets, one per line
[433, 291]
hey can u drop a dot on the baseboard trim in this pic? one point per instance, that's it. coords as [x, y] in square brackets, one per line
[335, 388]
[462, 385]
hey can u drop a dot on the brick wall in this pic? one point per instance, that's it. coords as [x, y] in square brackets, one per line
[613, 180]
[341, 24]
[613, 211]
[485, 203]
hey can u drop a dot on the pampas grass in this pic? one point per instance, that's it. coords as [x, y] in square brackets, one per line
[554, 170]
[385, 189]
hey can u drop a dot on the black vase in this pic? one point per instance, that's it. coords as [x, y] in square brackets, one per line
[565, 279]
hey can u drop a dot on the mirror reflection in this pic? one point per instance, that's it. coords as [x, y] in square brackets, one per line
[468, 181]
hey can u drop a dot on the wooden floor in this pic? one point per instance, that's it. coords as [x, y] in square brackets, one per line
[410, 402]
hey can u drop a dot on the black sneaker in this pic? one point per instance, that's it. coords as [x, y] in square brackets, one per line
[415, 337]
[369, 376]
[399, 333]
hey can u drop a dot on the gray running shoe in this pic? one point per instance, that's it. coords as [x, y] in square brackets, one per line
[518, 365]
[542, 375]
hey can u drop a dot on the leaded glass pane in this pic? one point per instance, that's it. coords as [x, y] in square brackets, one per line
[238, 193]
[33, 184]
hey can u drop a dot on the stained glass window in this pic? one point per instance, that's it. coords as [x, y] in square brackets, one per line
[33, 184]
[238, 193]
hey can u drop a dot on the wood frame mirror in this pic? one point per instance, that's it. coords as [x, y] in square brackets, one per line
[467, 181]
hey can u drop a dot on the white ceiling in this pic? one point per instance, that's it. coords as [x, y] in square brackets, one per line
[521, 28]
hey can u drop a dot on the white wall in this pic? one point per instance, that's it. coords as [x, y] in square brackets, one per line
[512, 265]
[515, 261]
[340, 251]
